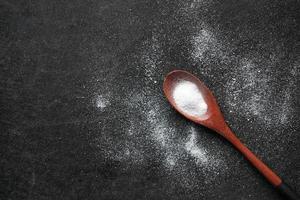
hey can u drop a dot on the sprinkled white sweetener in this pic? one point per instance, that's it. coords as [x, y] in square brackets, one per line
[189, 99]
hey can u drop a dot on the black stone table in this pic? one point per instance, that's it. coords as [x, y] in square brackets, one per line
[83, 115]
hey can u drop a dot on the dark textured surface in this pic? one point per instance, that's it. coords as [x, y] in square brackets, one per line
[82, 110]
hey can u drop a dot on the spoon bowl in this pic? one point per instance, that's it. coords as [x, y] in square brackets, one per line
[213, 119]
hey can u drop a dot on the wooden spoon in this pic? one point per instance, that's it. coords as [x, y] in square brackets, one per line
[214, 120]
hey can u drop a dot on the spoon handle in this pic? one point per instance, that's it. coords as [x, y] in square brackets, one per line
[287, 191]
[271, 176]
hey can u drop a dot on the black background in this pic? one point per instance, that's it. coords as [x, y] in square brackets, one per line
[81, 97]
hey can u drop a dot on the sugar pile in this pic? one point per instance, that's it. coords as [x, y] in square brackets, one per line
[189, 99]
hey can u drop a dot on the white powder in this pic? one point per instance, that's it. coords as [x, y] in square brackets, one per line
[101, 102]
[194, 150]
[189, 99]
